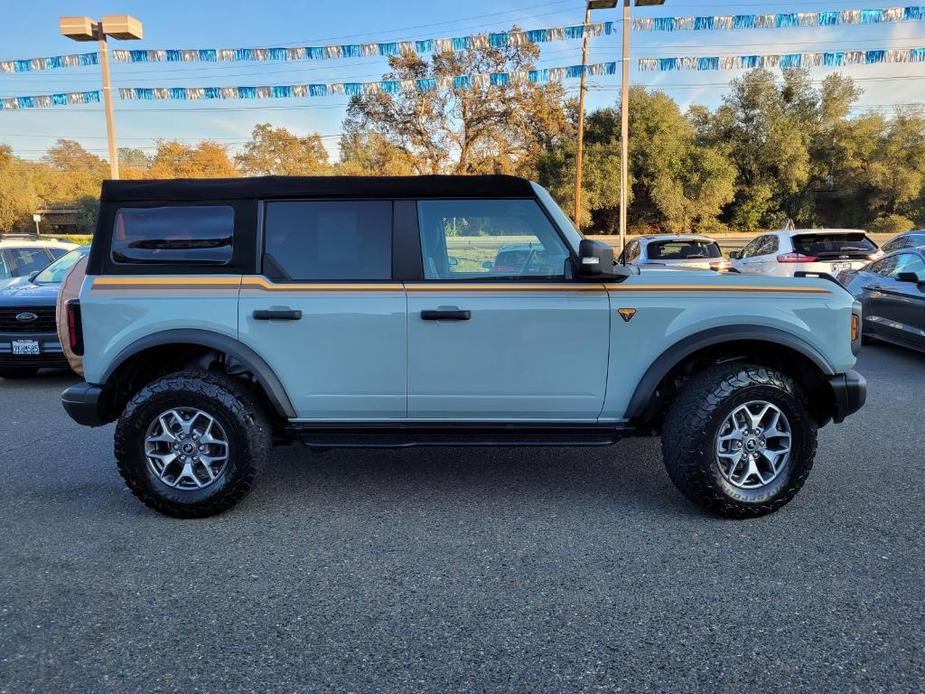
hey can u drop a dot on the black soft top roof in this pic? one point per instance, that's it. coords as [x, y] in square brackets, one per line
[194, 189]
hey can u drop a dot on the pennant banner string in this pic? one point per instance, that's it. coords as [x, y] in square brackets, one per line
[334, 51]
[287, 91]
[782, 20]
[784, 60]
[15, 103]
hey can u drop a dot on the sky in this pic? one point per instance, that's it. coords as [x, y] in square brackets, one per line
[30, 29]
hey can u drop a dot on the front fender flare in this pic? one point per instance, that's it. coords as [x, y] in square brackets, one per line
[682, 349]
[252, 361]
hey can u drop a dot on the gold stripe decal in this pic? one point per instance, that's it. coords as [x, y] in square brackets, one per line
[258, 283]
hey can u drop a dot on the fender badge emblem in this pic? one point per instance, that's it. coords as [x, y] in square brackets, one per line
[626, 314]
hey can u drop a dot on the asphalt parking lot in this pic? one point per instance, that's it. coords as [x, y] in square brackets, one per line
[465, 569]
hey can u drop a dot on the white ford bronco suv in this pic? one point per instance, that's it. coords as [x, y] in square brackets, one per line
[219, 317]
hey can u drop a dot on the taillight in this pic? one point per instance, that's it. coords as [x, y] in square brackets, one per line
[720, 265]
[796, 258]
[75, 335]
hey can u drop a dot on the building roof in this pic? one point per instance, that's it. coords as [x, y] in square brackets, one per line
[317, 186]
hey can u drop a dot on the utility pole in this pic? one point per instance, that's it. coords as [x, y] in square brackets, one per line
[625, 124]
[119, 26]
[581, 117]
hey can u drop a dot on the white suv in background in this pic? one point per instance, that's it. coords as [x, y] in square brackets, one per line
[784, 253]
[677, 251]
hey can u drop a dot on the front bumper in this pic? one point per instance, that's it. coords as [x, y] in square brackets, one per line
[84, 403]
[850, 391]
[51, 356]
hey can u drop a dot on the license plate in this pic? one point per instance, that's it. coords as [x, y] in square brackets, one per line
[838, 267]
[26, 347]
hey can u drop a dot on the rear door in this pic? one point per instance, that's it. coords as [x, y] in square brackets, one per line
[325, 312]
[520, 344]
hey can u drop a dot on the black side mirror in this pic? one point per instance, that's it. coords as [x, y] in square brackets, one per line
[33, 275]
[735, 255]
[910, 277]
[595, 259]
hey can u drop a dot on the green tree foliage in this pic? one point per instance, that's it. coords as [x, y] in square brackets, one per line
[676, 183]
[88, 208]
[276, 151]
[480, 128]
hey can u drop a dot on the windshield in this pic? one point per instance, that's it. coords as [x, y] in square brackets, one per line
[57, 271]
[819, 245]
[683, 250]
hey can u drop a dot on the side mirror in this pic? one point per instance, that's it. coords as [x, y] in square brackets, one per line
[735, 255]
[914, 277]
[595, 259]
[488, 265]
[33, 275]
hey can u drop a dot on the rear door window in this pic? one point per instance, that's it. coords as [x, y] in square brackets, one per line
[836, 245]
[177, 235]
[328, 240]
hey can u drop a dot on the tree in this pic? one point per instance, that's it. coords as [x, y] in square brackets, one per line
[69, 172]
[676, 184]
[18, 197]
[464, 128]
[88, 208]
[208, 159]
[276, 151]
[371, 154]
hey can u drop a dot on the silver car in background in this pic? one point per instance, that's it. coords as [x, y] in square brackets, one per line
[676, 251]
[825, 251]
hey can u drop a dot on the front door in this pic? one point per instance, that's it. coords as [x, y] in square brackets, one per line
[325, 314]
[898, 308]
[497, 330]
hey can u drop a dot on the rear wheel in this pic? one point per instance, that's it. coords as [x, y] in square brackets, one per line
[18, 372]
[191, 444]
[739, 440]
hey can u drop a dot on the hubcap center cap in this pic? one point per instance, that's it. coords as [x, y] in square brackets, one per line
[188, 448]
[751, 444]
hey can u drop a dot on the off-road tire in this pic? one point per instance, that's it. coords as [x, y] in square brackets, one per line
[18, 372]
[240, 414]
[692, 425]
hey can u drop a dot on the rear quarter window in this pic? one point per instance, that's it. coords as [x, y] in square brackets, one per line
[175, 235]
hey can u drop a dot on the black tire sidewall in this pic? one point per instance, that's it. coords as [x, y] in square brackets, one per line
[134, 465]
[802, 432]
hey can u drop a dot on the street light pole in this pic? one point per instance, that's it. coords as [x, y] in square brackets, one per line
[581, 117]
[107, 105]
[119, 26]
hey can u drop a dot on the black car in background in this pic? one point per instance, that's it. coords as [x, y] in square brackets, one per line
[28, 330]
[892, 290]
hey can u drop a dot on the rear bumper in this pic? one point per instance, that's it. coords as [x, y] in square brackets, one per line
[850, 391]
[84, 403]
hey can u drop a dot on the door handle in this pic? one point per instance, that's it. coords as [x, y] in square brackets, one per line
[283, 314]
[448, 314]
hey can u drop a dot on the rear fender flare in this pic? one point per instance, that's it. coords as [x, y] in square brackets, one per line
[247, 357]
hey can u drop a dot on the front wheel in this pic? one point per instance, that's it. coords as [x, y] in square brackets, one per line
[739, 440]
[191, 444]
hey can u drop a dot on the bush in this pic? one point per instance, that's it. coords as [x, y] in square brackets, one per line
[891, 224]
